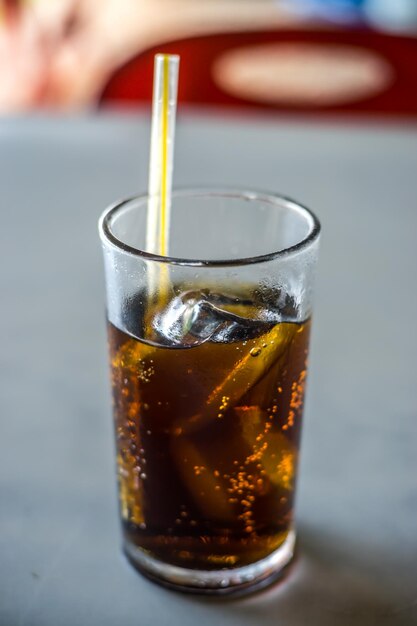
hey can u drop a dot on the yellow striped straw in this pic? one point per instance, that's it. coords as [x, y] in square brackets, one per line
[162, 152]
[163, 238]
[164, 106]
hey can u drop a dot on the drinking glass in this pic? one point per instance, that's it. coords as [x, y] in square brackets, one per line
[208, 354]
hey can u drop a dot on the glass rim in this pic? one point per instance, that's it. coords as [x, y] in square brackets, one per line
[108, 237]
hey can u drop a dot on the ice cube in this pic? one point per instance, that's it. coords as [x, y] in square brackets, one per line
[276, 303]
[279, 457]
[255, 360]
[195, 317]
[247, 370]
[207, 488]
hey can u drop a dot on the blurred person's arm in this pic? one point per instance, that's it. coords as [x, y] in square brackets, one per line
[64, 51]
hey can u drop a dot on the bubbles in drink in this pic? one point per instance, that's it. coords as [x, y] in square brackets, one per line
[216, 423]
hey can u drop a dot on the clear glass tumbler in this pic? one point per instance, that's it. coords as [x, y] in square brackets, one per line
[208, 354]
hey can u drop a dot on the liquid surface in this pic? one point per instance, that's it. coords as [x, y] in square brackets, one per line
[207, 441]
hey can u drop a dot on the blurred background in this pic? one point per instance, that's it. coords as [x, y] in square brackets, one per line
[333, 55]
[313, 98]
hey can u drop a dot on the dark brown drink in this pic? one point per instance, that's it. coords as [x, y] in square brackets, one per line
[207, 441]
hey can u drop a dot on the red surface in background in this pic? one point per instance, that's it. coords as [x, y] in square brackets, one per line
[133, 82]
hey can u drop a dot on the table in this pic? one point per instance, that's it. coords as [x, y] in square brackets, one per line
[60, 562]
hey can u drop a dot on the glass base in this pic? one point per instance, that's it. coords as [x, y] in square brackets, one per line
[237, 580]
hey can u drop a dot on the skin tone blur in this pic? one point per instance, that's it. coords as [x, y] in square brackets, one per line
[59, 53]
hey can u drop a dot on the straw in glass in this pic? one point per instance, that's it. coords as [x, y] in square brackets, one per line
[162, 152]
[160, 173]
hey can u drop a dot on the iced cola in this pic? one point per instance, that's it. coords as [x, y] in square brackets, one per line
[207, 405]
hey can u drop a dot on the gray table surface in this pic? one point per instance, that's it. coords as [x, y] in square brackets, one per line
[60, 563]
